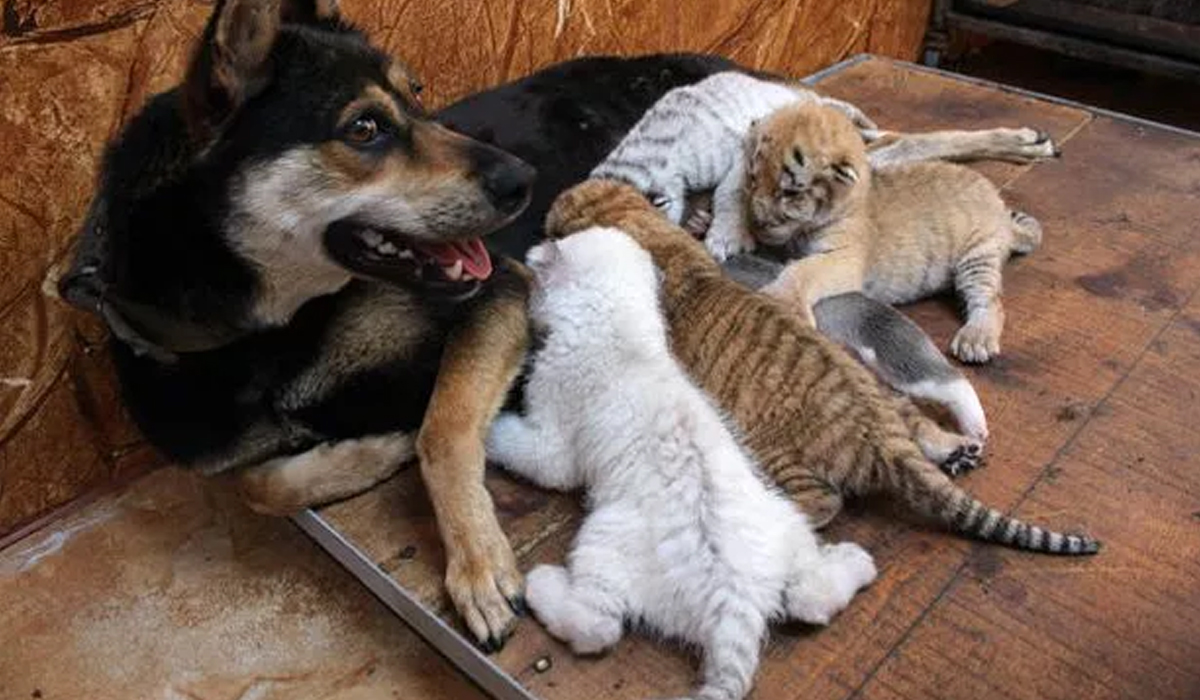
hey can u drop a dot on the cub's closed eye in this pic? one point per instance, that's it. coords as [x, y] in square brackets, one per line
[798, 155]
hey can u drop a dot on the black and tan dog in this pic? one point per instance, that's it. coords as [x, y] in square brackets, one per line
[288, 252]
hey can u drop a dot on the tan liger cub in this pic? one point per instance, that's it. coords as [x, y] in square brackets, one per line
[819, 423]
[897, 233]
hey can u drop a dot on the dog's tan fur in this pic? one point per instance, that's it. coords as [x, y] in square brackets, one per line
[286, 203]
[897, 233]
[481, 360]
[328, 472]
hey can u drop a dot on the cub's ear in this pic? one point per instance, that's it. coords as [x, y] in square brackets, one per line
[542, 257]
[310, 11]
[231, 65]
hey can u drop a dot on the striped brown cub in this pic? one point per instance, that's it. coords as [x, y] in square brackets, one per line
[820, 424]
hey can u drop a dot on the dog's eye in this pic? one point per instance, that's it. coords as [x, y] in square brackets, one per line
[362, 131]
[415, 87]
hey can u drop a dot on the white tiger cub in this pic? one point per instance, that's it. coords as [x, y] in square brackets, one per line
[683, 535]
[694, 139]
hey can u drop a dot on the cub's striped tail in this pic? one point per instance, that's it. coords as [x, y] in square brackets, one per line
[923, 486]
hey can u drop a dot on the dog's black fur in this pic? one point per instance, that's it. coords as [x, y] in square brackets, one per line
[566, 118]
[150, 261]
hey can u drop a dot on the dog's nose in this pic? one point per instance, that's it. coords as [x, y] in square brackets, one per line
[505, 178]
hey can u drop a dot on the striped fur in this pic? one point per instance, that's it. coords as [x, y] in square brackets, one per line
[682, 535]
[693, 139]
[897, 233]
[817, 421]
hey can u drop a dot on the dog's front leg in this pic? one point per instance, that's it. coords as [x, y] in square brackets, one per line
[481, 360]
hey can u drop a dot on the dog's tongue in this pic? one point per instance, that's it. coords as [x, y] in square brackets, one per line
[474, 256]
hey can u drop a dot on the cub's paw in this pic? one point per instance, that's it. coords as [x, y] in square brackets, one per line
[964, 458]
[975, 343]
[486, 589]
[566, 615]
[503, 437]
[698, 222]
[725, 242]
[850, 563]
[1028, 145]
[818, 594]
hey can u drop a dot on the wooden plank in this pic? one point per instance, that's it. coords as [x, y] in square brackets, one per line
[1122, 624]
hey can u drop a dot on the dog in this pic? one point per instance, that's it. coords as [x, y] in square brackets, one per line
[288, 252]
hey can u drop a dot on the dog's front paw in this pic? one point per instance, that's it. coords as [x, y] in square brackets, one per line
[975, 343]
[486, 589]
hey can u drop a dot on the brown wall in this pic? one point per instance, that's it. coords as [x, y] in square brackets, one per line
[71, 71]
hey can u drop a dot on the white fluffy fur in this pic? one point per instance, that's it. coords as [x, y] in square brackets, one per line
[693, 139]
[682, 533]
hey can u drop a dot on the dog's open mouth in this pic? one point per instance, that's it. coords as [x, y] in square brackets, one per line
[453, 267]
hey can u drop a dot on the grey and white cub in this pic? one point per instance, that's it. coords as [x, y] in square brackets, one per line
[682, 535]
[693, 140]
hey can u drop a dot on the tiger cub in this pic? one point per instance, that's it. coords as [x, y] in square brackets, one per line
[682, 536]
[820, 425]
[693, 139]
[897, 234]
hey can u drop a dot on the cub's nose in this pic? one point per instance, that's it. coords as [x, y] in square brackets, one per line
[506, 179]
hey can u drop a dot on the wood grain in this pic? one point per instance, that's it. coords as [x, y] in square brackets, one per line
[1089, 406]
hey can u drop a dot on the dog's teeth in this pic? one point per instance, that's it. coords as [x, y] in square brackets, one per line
[405, 254]
[371, 237]
[467, 277]
[388, 248]
[454, 272]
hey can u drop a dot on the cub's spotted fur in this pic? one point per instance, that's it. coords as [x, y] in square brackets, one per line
[817, 421]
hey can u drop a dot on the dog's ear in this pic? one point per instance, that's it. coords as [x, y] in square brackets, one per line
[310, 11]
[231, 64]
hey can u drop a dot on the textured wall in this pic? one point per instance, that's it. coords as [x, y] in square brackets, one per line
[71, 71]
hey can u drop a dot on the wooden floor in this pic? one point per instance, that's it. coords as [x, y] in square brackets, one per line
[1093, 408]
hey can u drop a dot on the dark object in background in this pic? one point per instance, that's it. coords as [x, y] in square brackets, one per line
[1156, 36]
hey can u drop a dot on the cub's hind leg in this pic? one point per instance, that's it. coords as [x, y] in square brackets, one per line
[977, 280]
[819, 588]
[819, 500]
[952, 452]
[586, 605]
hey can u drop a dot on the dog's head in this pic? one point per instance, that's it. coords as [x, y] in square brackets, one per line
[294, 157]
